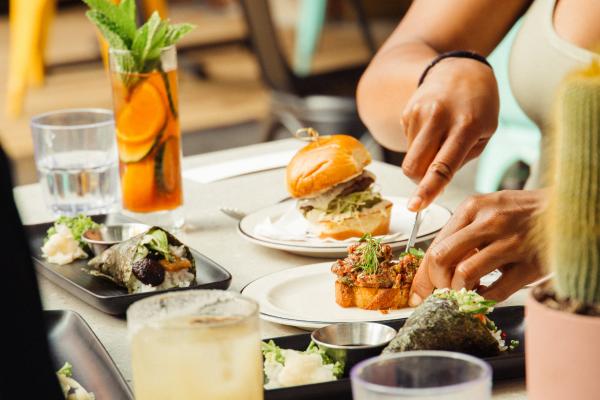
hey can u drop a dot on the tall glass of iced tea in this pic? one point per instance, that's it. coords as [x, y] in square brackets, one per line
[196, 344]
[148, 136]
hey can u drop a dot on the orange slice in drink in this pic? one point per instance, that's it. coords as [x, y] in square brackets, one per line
[137, 151]
[144, 116]
[137, 186]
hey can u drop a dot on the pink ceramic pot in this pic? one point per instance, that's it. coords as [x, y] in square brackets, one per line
[562, 354]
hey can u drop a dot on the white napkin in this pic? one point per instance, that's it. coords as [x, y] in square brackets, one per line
[292, 226]
[242, 166]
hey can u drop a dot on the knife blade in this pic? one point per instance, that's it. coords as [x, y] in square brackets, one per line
[415, 229]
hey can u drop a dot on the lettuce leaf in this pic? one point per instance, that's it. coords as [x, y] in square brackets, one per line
[155, 240]
[66, 370]
[468, 301]
[353, 202]
[272, 352]
[77, 225]
[338, 367]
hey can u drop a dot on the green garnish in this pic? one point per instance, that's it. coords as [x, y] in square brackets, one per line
[353, 202]
[118, 26]
[413, 251]
[338, 367]
[66, 370]
[272, 352]
[155, 240]
[513, 344]
[468, 301]
[77, 225]
[370, 250]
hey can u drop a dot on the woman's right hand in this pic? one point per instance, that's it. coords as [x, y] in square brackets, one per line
[448, 121]
[486, 233]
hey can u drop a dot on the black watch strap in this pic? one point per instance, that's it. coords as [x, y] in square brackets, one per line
[453, 54]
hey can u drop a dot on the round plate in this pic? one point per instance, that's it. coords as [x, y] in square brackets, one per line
[401, 221]
[305, 297]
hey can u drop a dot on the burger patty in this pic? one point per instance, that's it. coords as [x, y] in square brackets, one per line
[359, 184]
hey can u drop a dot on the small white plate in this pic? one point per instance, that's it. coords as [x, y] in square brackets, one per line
[434, 218]
[304, 297]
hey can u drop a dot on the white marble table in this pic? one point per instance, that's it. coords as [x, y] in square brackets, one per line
[214, 234]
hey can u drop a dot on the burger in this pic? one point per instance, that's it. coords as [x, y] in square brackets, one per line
[335, 193]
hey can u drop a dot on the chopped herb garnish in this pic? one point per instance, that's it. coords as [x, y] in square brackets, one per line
[370, 250]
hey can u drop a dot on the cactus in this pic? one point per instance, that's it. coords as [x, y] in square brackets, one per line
[572, 220]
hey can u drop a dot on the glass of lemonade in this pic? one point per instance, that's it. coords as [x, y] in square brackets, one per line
[196, 344]
[76, 157]
[422, 375]
[146, 105]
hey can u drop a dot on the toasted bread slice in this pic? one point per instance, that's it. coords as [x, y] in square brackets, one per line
[371, 298]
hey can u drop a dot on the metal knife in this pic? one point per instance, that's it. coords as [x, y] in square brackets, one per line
[413, 234]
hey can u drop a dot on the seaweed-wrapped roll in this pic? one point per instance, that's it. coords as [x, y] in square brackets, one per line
[154, 260]
[454, 321]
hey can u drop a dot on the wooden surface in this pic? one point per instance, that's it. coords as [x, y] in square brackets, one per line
[215, 235]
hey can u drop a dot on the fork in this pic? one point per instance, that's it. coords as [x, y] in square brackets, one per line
[237, 214]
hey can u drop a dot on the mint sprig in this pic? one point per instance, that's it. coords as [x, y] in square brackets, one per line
[118, 26]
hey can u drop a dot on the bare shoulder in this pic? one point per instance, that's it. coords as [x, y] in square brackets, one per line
[576, 21]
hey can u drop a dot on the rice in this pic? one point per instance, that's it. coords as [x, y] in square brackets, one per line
[182, 278]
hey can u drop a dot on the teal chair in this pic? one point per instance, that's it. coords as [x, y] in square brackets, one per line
[309, 25]
[517, 137]
[311, 17]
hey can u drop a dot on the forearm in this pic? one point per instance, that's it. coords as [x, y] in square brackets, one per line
[386, 87]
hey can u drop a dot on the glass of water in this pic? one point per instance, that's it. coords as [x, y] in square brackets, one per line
[422, 375]
[76, 156]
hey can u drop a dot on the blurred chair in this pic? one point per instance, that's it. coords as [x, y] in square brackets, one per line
[323, 101]
[29, 22]
[308, 30]
[517, 137]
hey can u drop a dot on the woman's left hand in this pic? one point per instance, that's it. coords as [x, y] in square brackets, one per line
[486, 233]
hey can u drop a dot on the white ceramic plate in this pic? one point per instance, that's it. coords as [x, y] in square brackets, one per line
[434, 218]
[304, 297]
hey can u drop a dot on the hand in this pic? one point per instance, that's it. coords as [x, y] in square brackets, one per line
[447, 122]
[487, 232]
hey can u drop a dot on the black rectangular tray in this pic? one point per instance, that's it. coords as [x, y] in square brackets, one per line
[102, 293]
[505, 366]
[71, 339]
